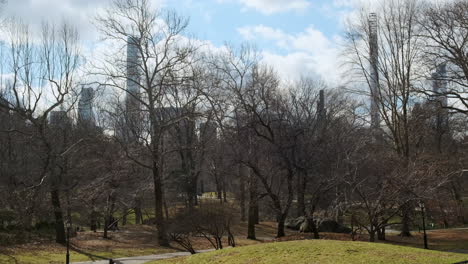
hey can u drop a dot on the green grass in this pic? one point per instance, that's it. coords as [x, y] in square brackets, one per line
[323, 252]
[53, 256]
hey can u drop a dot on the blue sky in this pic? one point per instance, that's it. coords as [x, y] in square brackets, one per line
[218, 21]
[297, 37]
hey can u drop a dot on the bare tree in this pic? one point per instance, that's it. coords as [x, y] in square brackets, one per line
[42, 80]
[272, 138]
[399, 47]
[444, 30]
[163, 64]
[231, 72]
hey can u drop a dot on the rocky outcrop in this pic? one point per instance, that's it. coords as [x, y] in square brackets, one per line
[303, 224]
[295, 223]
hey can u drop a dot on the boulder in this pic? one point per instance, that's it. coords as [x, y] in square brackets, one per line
[306, 226]
[295, 223]
[303, 224]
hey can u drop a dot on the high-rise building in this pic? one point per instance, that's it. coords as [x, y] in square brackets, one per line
[129, 124]
[439, 85]
[133, 74]
[374, 70]
[321, 111]
[439, 88]
[85, 107]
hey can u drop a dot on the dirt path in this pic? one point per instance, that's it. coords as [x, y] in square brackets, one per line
[143, 259]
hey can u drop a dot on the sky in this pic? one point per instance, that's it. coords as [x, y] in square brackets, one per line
[297, 37]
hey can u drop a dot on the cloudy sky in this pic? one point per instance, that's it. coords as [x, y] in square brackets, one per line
[297, 37]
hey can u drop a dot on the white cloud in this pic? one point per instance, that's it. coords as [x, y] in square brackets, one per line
[261, 31]
[77, 12]
[293, 65]
[307, 53]
[369, 3]
[269, 7]
[35, 12]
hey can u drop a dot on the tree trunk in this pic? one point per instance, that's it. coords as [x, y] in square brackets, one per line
[93, 220]
[138, 215]
[59, 225]
[191, 191]
[281, 220]
[158, 206]
[219, 191]
[219, 243]
[252, 205]
[381, 233]
[108, 218]
[423, 217]
[314, 228]
[406, 221]
[166, 209]
[231, 238]
[137, 209]
[300, 195]
[372, 235]
[124, 217]
[106, 227]
[372, 232]
[242, 192]
[256, 213]
[251, 219]
[190, 202]
[224, 193]
[195, 191]
[339, 216]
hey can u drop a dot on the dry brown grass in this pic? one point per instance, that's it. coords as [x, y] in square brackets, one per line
[448, 239]
[142, 240]
[444, 240]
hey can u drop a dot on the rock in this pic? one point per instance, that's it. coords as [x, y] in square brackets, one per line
[306, 226]
[303, 225]
[295, 223]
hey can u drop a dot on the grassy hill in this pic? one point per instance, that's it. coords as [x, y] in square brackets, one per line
[323, 252]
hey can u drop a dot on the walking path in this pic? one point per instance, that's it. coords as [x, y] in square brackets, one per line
[143, 259]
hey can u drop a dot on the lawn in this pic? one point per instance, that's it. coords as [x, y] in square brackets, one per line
[56, 255]
[323, 252]
[134, 240]
[130, 241]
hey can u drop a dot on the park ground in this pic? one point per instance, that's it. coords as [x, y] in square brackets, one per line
[139, 240]
[323, 252]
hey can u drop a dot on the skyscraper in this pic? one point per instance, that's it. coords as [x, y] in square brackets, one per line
[85, 107]
[439, 85]
[128, 125]
[439, 88]
[374, 70]
[321, 111]
[133, 74]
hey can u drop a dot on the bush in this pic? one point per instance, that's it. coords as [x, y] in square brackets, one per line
[211, 220]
